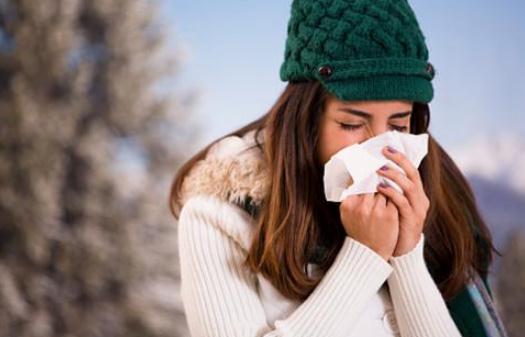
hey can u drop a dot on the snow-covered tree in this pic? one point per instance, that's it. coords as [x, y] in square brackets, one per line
[89, 142]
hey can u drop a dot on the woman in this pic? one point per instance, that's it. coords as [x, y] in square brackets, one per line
[262, 253]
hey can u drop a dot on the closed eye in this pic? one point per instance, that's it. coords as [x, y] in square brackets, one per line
[358, 126]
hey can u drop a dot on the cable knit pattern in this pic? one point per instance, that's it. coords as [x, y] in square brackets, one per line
[350, 30]
[222, 298]
[358, 49]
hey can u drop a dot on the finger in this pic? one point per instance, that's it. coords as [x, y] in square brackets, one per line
[391, 206]
[380, 200]
[367, 197]
[410, 190]
[352, 201]
[415, 194]
[400, 201]
[368, 200]
[402, 161]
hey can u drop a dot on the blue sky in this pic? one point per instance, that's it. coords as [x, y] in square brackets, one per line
[233, 50]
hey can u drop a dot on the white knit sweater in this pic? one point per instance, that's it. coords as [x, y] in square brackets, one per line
[360, 295]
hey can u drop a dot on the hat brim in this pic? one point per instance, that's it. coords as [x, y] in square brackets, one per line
[386, 87]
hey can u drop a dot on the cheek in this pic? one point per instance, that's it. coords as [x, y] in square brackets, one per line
[332, 139]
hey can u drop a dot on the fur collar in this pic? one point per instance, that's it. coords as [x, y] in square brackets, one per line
[233, 170]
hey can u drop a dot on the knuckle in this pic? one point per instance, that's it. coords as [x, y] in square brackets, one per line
[412, 171]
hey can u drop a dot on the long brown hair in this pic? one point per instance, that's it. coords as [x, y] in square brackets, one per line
[295, 221]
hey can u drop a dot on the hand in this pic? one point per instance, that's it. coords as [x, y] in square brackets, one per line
[372, 220]
[412, 206]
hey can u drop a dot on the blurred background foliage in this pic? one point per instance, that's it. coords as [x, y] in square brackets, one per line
[89, 142]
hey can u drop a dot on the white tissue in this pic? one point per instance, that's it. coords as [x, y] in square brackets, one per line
[361, 161]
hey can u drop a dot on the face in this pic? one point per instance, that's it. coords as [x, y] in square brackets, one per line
[344, 123]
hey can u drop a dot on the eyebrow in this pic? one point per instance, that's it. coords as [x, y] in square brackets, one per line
[368, 116]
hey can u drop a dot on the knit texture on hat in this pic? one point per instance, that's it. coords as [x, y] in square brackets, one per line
[359, 49]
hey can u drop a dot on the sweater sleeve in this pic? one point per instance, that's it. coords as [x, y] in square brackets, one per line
[419, 307]
[220, 297]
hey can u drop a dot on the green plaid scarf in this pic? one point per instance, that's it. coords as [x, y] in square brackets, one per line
[474, 312]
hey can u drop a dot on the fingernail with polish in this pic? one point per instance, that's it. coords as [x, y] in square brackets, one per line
[384, 168]
[391, 149]
[381, 184]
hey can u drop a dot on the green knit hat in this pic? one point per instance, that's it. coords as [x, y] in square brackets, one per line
[359, 49]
